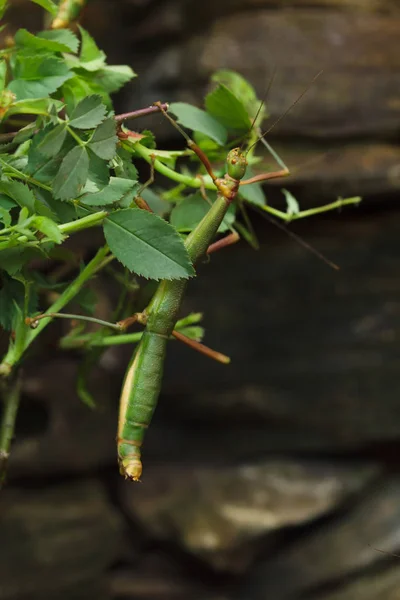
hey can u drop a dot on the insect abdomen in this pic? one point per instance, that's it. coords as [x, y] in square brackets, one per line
[138, 401]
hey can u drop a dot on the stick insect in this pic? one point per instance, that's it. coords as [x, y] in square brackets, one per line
[143, 378]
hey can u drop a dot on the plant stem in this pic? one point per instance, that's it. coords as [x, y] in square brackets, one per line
[89, 221]
[148, 155]
[310, 212]
[11, 402]
[15, 353]
[142, 112]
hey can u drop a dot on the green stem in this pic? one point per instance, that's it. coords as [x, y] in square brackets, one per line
[83, 223]
[148, 154]
[76, 137]
[11, 404]
[15, 353]
[310, 212]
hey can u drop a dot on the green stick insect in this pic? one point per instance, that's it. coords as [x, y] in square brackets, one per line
[142, 384]
[68, 11]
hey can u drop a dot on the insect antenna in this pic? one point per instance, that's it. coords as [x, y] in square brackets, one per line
[262, 103]
[283, 115]
[299, 240]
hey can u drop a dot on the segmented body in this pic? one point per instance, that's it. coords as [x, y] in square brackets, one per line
[68, 11]
[142, 383]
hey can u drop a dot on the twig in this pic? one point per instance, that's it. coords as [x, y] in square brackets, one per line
[11, 402]
[141, 112]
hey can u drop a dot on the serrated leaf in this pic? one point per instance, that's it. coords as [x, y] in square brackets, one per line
[157, 204]
[242, 90]
[20, 193]
[89, 113]
[13, 259]
[291, 203]
[41, 167]
[37, 75]
[99, 172]
[33, 106]
[222, 104]
[198, 120]
[61, 40]
[6, 202]
[91, 57]
[116, 189]
[5, 216]
[113, 78]
[72, 175]
[48, 228]
[147, 245]
[104, 140]
[186, 215]
[48, 5]
[52, 142]
[77, 88]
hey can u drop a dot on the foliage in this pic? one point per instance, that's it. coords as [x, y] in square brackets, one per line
[68, 164]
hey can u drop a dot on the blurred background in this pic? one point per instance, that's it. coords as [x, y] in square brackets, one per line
[277, 477]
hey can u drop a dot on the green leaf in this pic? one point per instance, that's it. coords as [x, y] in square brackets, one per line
[72, 174]
[242, 90]
[99, 172]
[104, 140]
[293, 207]
[48, 5]
[77, 88]
[37, 75]
[61, 40]
[6, 202]
[33, 106]
[157, 204]
[13, 259]
[3, 74]
[91, 58]
[52, 142]
[5, 216]
[114, 192]
[224, 106]
[147, 245]
[49, 228]
[41, 167]
[198, 120]
[187, 214]
[112, 78]
[89, 113]
[20, 193]
[253, 193]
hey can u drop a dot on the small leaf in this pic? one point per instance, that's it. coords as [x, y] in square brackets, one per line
[33, 106]
[112, 78]
[89, 113]
[104, 140]
[37, 74]
[291, 203]
[116, 189]
[6, 202]
[79, 87]
[13, 259]
[91, 58]
[52, 142]
[48, 5]
[99, 172]
[20, 193]
[147, 245]
[61, 40]
[242, 90]
[198, 120]
[224, 106]
[5, 216]
[72, 174]
[187, 214]
[49, 228]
